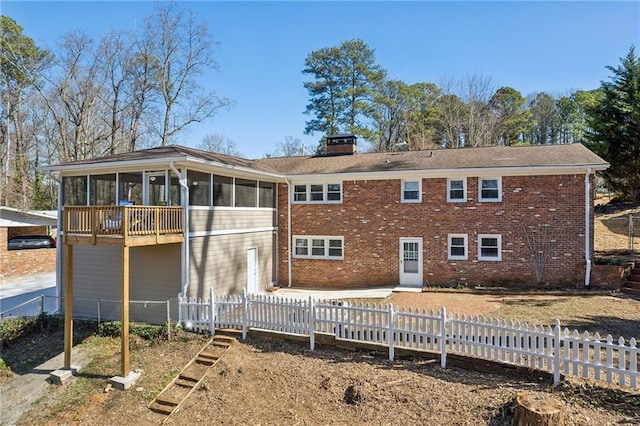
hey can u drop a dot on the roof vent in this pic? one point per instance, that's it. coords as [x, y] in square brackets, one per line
[341, 145]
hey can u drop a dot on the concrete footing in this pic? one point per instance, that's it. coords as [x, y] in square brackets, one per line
[124, 383]
[58, 377]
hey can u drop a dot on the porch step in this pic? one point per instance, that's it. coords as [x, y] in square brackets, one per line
[632, 282]
[629, 290]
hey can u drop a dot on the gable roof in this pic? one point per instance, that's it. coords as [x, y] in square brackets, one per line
[494, 157]
[523, 159]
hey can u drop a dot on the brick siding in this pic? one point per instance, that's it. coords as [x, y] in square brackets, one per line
[372, 219]
[14, 263]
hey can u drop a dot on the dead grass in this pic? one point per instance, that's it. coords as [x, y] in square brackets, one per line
[274, 382]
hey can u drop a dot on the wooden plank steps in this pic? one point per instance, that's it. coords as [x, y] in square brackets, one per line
[175, 393]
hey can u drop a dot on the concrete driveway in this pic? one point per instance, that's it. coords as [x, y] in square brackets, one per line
[18, 290]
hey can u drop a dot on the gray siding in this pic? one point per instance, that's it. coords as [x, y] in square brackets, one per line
[154, 275]
[216, 220]
[220, 262]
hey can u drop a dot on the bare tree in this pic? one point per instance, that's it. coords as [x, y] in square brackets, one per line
[291, 147]
[183, 50]
[540, 242]
[220, 144]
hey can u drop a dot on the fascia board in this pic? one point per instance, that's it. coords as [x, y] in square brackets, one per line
[213, 166]
[111, 166]
[446, 173]
[148, 164]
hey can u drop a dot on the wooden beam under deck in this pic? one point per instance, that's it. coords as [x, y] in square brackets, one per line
[118, 241]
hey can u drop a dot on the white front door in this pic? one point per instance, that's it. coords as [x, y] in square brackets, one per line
[411, 262]
[252, 270]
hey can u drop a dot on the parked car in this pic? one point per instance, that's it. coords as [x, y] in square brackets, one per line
[31, 242]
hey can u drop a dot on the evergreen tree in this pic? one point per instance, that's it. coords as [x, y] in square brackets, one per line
[615, 127]
[341, 94]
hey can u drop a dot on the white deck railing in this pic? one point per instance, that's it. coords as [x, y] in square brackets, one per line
[545, 348]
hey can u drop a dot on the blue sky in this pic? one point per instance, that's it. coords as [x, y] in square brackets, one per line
[531, 46]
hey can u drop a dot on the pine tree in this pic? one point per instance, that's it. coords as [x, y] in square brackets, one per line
[615, 127]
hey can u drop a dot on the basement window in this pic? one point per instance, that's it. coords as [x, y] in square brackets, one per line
[457, 246]
[318, 247]
[490, 247]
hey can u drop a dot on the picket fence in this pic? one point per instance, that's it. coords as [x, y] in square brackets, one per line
[547, 348]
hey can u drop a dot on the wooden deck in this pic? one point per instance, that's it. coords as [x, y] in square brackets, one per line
[123, 225]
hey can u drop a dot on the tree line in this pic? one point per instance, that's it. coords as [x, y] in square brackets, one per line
[126, 91]
[350, 93]
[140, 88]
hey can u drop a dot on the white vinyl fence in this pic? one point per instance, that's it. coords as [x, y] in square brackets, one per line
[545, 348]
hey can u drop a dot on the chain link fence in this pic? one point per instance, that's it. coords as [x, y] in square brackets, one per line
[101, 310]
[617, 234]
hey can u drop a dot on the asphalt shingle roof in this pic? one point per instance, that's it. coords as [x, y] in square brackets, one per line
[486, 157]
[438, 159]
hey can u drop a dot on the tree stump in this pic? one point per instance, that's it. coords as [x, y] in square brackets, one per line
[538, 410]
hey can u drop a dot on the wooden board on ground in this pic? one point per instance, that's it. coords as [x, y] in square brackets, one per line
[175, 393]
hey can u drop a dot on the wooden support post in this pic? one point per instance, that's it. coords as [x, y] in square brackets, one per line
[124, 314]
[68, 304]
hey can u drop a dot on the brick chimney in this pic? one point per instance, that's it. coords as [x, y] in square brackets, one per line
[341, 145]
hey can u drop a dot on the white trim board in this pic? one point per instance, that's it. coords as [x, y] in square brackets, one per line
[232, 231]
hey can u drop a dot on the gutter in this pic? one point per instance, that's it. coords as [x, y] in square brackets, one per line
[185, 246]
[587, 228]
[289, 198]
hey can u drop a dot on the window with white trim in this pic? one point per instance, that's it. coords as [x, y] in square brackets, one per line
[456, 190]
[490, 247]
[458, 246]
[334, 192]
[302, 247]
[411, 191]
[490, 189]
[300, 193]
[318, 247]
[317, 193]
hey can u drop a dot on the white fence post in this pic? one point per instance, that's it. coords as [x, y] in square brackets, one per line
[443, 337]
[312, 324]
[212, 310]
[390, 332]
[556, 352]
[245, 314]
[180, 308]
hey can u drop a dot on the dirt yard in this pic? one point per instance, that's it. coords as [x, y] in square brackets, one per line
[267, 382]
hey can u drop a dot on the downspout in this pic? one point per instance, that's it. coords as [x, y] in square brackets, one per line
[587, 227]
[289, 198]
[58, 242]
[184, 261]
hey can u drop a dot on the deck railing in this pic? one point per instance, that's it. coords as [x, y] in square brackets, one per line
[123, 221]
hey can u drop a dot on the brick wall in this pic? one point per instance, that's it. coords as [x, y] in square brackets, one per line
[15, 263]
[372, 219]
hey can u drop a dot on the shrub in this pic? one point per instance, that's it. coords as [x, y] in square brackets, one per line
[614, 261]
[144, 331]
